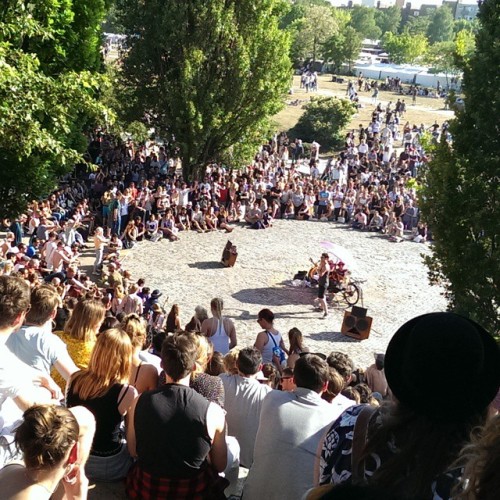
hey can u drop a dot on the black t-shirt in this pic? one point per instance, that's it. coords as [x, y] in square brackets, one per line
[171, 431]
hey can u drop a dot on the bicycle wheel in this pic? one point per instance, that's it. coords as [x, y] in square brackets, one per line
[351, 294]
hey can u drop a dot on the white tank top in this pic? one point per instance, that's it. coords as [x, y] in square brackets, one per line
[267, 350]
[220, 339]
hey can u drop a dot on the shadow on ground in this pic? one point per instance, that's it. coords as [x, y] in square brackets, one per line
[272, 296]
[207, 265]
[333, 337]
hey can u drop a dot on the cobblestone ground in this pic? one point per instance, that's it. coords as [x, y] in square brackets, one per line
[189, 273]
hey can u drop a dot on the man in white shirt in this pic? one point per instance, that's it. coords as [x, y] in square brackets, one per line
[290, 430]
[20, 385]
[34, 344]
[243, 402]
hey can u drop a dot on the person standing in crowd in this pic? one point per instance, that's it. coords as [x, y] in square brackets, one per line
[323, 282]
[174, 430]
[219, 330]
[99, 243]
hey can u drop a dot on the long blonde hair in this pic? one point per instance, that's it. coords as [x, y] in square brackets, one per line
[85, 320]
[135, 327]
[205, 352]
[109, 364]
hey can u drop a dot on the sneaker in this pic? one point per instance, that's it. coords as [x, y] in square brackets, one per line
[325, 315]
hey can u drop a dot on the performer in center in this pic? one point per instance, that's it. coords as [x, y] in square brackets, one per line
[323, 282]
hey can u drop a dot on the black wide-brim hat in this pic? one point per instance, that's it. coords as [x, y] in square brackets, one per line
[444, 366]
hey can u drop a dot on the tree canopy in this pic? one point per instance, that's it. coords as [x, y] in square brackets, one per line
[404, 48]
[440, 27]
[43, 103]
[324, 120]
[388, 20]
[213, 77]
[461, 200]
[363, 21]
[343, 46]
[311, 31]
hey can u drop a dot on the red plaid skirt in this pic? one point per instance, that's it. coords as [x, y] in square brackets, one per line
[207, 485]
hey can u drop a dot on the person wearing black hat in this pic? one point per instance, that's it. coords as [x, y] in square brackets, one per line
[443, 370]
[151, 300]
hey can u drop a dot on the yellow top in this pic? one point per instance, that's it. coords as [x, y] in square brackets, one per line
[78, 350]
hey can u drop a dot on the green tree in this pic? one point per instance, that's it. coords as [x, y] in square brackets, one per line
[465, 44]
[311, 32]
[405, 48]
[293, 11]
[41, 110]
[441, 58]
[440, 28]
[324, 120]
[461, 200]
[215, 74]
[417, 25]
[69, 37]
[343, 47]
[388, 20]
[471, 25]
[363, 21]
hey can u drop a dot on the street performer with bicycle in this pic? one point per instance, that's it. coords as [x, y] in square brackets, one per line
[323, 282]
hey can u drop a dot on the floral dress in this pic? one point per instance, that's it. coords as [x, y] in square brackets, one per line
[335, 460]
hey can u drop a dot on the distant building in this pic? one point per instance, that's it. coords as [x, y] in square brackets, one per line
[463, 9]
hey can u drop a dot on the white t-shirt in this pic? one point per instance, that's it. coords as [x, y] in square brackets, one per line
[15, 378]
[37, 348]
[243, 402]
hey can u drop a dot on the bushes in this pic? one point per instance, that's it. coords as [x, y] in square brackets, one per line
[324, 120]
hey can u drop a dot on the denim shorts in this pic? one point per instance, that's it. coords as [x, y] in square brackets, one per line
[111, 468]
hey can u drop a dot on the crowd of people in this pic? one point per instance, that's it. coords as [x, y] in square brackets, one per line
[99, 382]
[137, 194]
[175, 412]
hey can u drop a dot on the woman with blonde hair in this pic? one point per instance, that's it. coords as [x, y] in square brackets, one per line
[231, 360]
[80, 333]
[212, 388]
[219, 330]
[117, 300]
[143, 376]
[103, 389]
